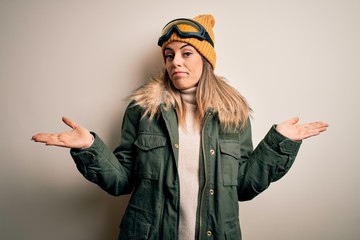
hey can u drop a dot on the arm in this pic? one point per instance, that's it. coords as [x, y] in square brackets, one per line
[112, 171]
[273, 156]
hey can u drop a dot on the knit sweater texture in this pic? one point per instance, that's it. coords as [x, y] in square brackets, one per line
[188, 167]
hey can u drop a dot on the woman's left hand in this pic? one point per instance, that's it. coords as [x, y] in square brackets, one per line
[291, 129]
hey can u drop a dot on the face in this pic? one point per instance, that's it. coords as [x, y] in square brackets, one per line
[184, 65]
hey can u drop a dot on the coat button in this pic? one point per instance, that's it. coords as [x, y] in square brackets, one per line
[211, 191]
[209, 233]
[212, 151]
[176, 146]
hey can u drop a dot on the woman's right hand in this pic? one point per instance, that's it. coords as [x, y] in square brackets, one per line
[78, 137]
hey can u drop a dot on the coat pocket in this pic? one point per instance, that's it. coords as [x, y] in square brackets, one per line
[150, 155]
[136, 224]
[230, 159]
[232, 229]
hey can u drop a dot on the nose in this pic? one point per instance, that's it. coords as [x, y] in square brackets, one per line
[177, 60]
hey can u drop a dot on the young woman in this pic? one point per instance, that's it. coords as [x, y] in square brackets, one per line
[186, 152]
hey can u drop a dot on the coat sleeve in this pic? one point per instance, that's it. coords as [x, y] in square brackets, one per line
[268, 162]
[112, 171]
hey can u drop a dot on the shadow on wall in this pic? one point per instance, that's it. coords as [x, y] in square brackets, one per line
[116, 209]
[149, 67]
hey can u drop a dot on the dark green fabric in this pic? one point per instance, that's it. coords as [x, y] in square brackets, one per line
[145, 164]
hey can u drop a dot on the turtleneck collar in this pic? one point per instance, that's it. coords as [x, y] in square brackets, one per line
[188, 95]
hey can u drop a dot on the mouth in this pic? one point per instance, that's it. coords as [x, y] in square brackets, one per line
[179, 74]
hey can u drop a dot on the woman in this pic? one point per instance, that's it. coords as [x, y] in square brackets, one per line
[186, 151]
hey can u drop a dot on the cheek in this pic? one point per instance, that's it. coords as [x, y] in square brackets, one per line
[199, 72]
[167, 66]
[168, 70]
[199, 65]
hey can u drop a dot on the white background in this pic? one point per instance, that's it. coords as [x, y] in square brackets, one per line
[81, 59]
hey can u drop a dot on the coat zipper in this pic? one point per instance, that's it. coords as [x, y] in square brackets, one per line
[205, 175]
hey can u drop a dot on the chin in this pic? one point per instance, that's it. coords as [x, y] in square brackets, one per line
[180, 87]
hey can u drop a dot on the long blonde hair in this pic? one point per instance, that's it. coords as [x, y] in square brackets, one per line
[213, 92]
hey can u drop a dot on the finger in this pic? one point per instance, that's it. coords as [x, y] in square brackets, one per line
[293, 120]
[41, 137]
[50, 139]
[318, 125]
[322, 128]
[316, 130]
[324, 124]
[69, 122]
[56, 140]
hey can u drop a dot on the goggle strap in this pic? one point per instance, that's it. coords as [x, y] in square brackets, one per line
[202, 34]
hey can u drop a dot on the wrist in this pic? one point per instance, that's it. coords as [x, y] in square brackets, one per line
[90, 143]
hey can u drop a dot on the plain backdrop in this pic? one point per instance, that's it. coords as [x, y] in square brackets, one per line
[81, 59]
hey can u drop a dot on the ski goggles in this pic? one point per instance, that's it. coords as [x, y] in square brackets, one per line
[197, 31]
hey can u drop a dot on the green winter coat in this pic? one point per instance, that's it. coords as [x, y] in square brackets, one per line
[145, 164]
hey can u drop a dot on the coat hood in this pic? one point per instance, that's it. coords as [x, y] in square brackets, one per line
[152, 95]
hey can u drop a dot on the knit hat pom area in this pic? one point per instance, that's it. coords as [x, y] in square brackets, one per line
[202, 46]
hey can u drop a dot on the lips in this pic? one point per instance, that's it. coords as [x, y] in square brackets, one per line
[179, 74]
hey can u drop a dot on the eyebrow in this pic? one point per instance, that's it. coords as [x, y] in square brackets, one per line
[183, 46]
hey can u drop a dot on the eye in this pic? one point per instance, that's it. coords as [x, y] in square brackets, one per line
[187, 54]
[169, 56]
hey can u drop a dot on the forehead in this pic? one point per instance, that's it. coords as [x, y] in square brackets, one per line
[176, 45]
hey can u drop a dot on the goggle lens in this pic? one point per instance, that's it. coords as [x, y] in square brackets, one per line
[191, 29]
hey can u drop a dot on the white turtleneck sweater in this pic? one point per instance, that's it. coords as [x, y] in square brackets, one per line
[188, 168]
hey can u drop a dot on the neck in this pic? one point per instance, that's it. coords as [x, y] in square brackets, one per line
[188, 95]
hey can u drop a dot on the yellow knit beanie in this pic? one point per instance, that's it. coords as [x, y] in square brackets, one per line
[202, 46]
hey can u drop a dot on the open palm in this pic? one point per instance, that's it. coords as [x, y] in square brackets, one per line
[78, 137]
[295, 131]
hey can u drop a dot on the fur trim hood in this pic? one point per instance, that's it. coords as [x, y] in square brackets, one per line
[151, 95]
[230, 107]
